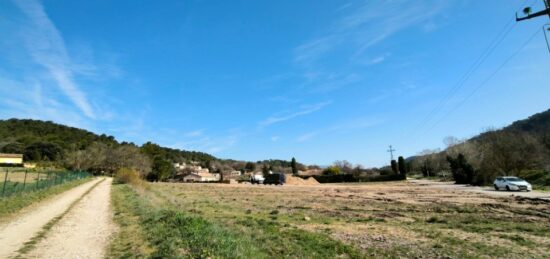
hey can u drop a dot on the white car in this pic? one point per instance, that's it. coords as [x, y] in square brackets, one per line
[511, 183]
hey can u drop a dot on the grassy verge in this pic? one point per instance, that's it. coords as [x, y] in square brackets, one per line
[130, 240]
[153, 226]
[12, 204]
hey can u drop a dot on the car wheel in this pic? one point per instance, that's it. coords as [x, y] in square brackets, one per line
[507, 188]
[496, 187]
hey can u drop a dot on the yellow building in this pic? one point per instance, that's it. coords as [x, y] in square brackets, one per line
[14, 159]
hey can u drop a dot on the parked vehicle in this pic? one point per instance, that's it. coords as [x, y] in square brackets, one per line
[257, 179]
[511, 183]
[275, 179]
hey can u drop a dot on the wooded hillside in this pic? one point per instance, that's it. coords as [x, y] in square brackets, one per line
[522, 149]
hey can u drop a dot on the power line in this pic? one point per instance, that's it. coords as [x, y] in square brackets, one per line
[487, 79]
[471, 70]
[466, 76]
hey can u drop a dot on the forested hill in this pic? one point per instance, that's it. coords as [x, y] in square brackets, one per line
[522, 148]
[49, 141]
[17, 134]
[538, 123]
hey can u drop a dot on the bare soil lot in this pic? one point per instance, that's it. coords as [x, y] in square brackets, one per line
[397, 219]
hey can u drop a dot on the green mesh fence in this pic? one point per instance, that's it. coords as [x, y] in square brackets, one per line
[15, 181]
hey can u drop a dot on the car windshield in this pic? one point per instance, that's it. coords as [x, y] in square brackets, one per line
[513, 179]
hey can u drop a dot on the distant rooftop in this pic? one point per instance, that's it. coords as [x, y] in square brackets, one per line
[11, 155]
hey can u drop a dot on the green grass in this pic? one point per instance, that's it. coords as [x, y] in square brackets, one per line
[12, 204]
[167, 232]
[332, 221]
[130, 240]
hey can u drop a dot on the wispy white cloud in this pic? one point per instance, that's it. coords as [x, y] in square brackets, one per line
[346, 42]
[275, 138]
[47, 48]
[377, 59]
[342, 127]
[28, 100]
[307, 136]
[304, 110]
[194, 133]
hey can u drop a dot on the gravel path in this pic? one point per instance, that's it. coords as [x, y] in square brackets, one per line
[478, 189]
[15, 233]
[84, 232]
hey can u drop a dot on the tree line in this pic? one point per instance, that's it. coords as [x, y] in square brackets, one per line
[521, 149]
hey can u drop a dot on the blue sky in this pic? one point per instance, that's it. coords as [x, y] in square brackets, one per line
[317, 80]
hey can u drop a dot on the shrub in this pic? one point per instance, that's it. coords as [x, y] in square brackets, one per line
[463, 172]
[536, 177]
[127, 175]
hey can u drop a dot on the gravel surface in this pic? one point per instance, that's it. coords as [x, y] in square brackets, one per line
[28, 223]
[84, 232]
[484, 190]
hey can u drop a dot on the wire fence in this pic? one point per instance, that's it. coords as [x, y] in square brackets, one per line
[20, 180]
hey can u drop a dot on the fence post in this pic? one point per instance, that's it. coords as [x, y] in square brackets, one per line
[5, 181]
[25, 179]
[37, 186]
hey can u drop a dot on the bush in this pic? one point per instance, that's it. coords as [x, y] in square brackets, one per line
[127, 175]
[536, 177]
[463, 172]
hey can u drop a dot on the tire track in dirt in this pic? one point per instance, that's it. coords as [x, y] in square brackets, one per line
[84, 232]
[14, 234]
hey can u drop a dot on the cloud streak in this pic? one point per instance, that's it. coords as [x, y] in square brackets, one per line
[342, 127]
[342, 49]
[369, 25]
[47, 48]
[305, 109]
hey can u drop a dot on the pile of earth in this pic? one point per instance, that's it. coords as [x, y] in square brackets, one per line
[293, 180]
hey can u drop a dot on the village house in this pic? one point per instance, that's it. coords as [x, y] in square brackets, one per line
[234, 173]
[194, 173]
[11, 159]
[201, 177]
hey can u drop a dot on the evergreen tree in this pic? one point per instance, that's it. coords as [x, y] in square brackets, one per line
[463, 172]
[402, 167]
[394, 166]
[294, 166]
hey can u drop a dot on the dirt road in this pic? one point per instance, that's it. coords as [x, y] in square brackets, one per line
[15, 233]
[477, 189]
[84, 232]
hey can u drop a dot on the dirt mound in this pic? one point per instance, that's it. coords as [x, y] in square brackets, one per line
[293, 180]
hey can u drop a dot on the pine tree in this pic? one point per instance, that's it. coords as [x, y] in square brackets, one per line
[394, 166]
[402, 167]
[294, 166]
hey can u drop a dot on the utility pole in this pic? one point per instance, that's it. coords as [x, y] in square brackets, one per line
[529, 15]
[391, 152]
